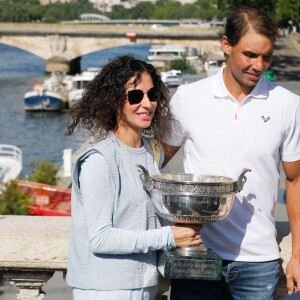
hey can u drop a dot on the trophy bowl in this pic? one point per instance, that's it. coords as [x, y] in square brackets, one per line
[191, 199]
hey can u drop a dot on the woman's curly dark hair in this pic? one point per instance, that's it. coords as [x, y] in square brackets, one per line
[98, 109]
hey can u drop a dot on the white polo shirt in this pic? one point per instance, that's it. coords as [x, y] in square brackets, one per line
[221, 137]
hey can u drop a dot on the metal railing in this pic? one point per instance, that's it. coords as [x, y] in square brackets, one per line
[12, 153]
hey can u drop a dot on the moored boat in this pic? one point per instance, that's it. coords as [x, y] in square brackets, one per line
[44, 100]
[51, 95]
[161, 56]
[79, 84]
[170, 52]
[10, 162]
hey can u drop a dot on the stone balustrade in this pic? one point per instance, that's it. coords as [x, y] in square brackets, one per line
[32, 248]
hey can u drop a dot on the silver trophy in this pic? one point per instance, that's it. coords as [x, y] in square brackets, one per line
[192, 199]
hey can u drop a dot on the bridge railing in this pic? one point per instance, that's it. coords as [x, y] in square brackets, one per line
[32, 248]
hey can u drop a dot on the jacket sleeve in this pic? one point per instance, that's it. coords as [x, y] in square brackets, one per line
[98, 204]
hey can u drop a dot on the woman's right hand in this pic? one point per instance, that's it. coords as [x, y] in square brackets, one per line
[187, 235]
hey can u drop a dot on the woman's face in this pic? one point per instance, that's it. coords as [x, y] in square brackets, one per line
[138, 116]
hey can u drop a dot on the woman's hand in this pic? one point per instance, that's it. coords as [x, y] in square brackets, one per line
[187, 235]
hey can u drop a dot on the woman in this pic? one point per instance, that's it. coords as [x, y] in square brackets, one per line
[115, 231]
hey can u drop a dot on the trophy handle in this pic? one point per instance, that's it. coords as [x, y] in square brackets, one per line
[145, 178]
[241, 180]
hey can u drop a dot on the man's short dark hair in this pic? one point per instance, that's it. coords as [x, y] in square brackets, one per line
[246, 19]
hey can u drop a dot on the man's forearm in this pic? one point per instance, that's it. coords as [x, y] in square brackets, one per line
[292, 171]
[293, 208]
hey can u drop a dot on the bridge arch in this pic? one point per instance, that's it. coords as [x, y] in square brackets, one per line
[62, 49]
[12, 66]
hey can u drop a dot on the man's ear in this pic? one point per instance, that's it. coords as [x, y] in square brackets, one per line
[225, 45]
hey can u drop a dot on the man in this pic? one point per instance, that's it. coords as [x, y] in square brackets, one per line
[237, 119]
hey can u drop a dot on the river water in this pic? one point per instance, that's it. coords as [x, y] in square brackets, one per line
[40, 135]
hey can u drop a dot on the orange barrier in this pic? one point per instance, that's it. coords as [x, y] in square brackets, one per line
[48, 200]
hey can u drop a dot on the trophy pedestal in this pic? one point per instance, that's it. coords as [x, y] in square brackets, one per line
[206, 265]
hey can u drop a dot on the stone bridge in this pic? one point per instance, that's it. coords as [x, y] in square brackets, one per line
[62, 48]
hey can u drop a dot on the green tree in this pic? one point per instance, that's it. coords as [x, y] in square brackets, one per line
[172, 10]
[143, 10]
[167, 10]
[287, 10]
[182, 64]
[43, 172]
[36, 12]
[21, 11]
[190, 11]
[208, 9]
[31, 10]
[13, 201]
[57, 12]
[228, 6]
[119, 12]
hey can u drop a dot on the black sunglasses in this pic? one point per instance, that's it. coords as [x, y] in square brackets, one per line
[136, 96]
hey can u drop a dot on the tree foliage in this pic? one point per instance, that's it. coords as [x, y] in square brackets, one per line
[144, 9]
[13, 201]
[43, 172]
[182, 64]
[168, 10]
[228, 6]
[287, 10]
[282, 11]
[119, 12]
[57, 12]
[31, 10]
[21, 11]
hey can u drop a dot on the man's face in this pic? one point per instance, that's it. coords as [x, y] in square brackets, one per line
[248, 59]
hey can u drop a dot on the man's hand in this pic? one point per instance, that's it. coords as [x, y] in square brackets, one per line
[293, 275]
[187, 235]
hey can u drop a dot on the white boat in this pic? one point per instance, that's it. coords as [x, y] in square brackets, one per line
[10, 162]
[170, 52]
[79, 84]
[51, 95]
[161, 55]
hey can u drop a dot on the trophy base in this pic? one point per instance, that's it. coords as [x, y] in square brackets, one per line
[205, 265]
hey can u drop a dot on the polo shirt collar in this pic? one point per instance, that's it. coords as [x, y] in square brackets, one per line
[260, 91]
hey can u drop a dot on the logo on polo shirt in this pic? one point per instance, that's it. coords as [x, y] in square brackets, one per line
[266, 119]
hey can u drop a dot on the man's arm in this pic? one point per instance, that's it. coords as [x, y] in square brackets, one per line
[292, 171]
[169, 152]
